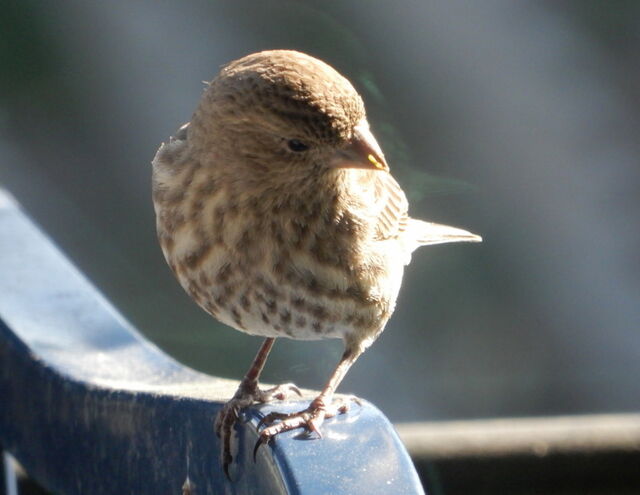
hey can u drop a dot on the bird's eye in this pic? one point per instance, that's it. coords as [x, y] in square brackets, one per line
[296, 145]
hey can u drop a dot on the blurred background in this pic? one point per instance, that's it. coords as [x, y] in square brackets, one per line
[516, 120]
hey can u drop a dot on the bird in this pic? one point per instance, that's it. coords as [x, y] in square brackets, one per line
[276, 211]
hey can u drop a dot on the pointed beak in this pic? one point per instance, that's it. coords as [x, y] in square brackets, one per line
[362, 151]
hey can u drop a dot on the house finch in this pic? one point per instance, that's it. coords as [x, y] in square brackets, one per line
[277, 213]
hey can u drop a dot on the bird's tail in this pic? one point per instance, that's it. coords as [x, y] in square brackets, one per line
[428, 233]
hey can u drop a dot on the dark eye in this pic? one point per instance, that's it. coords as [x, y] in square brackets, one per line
[297, 146]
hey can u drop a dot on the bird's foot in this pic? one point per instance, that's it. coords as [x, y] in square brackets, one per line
[245, 396]
[310, 419]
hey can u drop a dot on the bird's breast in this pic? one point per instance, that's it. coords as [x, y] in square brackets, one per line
[272, 268]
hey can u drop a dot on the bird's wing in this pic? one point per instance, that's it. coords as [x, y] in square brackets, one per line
[393, 215]
[393, 220]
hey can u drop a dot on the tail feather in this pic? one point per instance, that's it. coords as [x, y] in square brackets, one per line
[428, 233]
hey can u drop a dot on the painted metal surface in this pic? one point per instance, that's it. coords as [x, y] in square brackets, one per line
[87, 405]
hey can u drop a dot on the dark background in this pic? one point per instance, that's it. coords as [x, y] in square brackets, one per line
[516, 120]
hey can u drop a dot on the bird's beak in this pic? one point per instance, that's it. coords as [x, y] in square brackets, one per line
[362, 151]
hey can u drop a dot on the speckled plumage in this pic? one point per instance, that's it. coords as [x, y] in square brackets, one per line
[281, 243]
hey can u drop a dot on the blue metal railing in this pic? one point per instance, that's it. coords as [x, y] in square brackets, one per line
[88, 406]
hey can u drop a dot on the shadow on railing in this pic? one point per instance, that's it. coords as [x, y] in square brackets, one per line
[88, 406]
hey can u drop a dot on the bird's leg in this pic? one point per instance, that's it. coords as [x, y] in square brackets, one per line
[246, 394]
[322, 407]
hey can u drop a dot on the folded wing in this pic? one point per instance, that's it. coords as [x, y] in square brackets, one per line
[394, 223]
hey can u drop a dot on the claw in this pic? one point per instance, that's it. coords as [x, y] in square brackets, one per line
[280, 392]
[345, 404]
[261, 441]
[226, 455]
[282, 395]
[229, 414]
[310, 419]
[315, 427]
[270, 419]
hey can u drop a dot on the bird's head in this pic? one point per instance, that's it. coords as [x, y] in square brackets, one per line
[284, 112]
